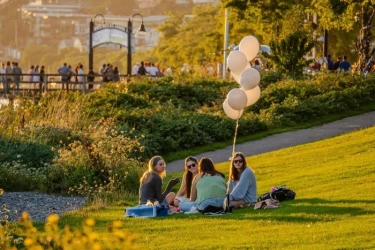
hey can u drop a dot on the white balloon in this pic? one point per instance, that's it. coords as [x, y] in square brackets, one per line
[250, 78]
[236, 77]
[249, 45]
[237, 99]
[265, 49]
[237, 62]
[231, 113]
[252, 95]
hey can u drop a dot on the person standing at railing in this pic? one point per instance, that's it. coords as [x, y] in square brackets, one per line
[153, 71]
[9, 77]
[135, 69]
[31, 76]
[41, 77]
[142, 70]
[102, 72]
[17, 71]
[116, 75]
[91, 78]
[81, 77]
[65, 72]
[76, 81]
[36, 77]
[109, 73]
[3, 78]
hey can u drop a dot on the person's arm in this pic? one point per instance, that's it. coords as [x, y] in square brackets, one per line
[240, 190]
[193, 193]
[182, 189]
[158, 186]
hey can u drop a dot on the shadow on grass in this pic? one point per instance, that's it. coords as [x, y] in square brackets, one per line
[322, 201]
[297, 211]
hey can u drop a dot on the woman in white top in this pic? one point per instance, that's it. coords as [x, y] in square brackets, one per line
[36, 77]
[31, 76]
[81, 77]
[191, 170]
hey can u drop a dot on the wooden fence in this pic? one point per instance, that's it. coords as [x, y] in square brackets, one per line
[51, 82]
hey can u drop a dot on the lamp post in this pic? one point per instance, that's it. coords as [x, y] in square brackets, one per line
[325, 43]
[226, 39]
[130, 31]
[91, 50]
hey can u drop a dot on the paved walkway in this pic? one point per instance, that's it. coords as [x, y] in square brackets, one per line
[287, 139]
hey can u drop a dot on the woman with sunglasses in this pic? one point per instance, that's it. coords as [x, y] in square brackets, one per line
[150, 189]
[208, 188]
[242, 186]
[191, 170]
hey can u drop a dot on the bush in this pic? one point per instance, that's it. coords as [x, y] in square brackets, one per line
[99, 162]
[97, 143]
[25, 236]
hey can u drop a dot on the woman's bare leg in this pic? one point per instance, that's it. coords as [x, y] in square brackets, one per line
[237, 203]
[170, 197]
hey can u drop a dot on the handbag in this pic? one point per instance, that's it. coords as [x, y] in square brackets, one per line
[267, 204]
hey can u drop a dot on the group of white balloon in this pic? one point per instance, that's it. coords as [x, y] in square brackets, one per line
[247, 77]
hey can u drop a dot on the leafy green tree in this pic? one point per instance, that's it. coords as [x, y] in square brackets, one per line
[288, 54]
[194, 39]
[333, 15]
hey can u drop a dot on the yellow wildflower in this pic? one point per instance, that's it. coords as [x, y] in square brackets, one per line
[53, 218]
[89, 222]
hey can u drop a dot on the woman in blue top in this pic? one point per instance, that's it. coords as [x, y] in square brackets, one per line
[242, 186]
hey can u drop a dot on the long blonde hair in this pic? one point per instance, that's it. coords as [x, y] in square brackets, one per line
[151, 169]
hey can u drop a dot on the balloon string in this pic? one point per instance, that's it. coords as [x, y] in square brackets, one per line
[235, 135]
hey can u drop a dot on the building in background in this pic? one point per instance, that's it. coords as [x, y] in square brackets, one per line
[64, 23]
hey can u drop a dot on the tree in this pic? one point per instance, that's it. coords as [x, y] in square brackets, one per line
[194, 39]
[333, 15]
[288, 54]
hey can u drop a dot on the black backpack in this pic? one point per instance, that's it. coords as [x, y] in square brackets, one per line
[280, 194]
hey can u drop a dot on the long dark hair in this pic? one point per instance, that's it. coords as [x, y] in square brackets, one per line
[189, 175]
[234, 175]
[206, 166]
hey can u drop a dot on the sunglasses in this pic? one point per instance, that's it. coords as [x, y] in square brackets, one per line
[238, 161]
[191, 166]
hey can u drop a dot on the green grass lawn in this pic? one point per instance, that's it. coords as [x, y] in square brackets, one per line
[334, 208]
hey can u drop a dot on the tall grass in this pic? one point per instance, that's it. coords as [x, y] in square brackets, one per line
[334, 207]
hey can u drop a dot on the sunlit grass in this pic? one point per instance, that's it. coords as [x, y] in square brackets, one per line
[334, 207]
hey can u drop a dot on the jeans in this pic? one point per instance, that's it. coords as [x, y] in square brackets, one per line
[185, 206]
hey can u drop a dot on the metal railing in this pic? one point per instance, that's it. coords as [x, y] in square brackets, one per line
[13, 83]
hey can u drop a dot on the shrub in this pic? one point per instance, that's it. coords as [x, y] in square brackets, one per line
[99, 162]
[25, 236]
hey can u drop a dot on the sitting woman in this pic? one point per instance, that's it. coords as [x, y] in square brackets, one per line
[208, 188]
[191, 170]
[150, 189]
[242, 186]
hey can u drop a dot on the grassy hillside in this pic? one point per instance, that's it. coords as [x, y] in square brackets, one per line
[334, 207]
